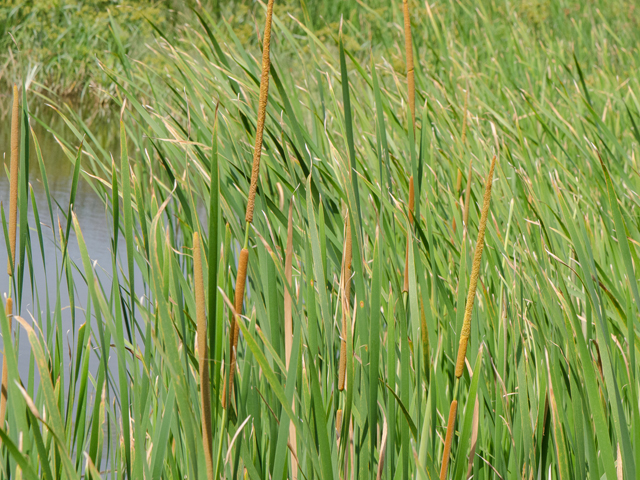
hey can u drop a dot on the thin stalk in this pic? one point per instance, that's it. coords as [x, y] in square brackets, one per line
[255, 170]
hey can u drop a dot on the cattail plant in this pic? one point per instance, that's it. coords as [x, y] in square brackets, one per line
[255, 170]
[13, 222]
[466, 324]
[203, 361]
[346, 294]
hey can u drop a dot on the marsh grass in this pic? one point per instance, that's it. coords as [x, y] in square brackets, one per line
[550, 387]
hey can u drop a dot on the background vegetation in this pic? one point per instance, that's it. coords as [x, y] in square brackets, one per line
[550, 387]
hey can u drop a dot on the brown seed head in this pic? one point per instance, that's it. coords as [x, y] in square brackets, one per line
[475, 272]
[262, 109]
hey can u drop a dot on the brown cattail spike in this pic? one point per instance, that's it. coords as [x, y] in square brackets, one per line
[346, 289]
[13, 184]
[405, 287]
[408, 45]
[233, 337]
[475, 272]
[5, 370]
[447, 440]
[262, 110]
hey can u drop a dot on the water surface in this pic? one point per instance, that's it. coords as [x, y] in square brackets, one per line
[89, 208]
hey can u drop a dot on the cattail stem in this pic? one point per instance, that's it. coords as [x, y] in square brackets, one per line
[408, 45]
[475, 272]
[448, 438]
[346, 296]
[203, 361]
[13, 184]
[405, 287]
[5, 371]
[255, 170]
[262, 110]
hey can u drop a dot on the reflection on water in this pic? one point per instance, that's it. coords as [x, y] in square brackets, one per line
[91, 214]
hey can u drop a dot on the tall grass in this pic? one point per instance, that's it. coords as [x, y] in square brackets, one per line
[543, 102]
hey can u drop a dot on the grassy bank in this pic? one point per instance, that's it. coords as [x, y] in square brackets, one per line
[482, 314]
[60, 44]
[64, 46]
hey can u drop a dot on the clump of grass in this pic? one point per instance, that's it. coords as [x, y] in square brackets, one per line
[559, 252]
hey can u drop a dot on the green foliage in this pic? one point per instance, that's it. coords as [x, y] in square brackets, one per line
[66, 39]
[550, 389]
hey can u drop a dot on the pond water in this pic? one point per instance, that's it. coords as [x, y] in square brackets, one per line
[89, 208]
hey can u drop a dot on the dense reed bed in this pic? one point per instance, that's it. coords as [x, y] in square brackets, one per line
[449, 293]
